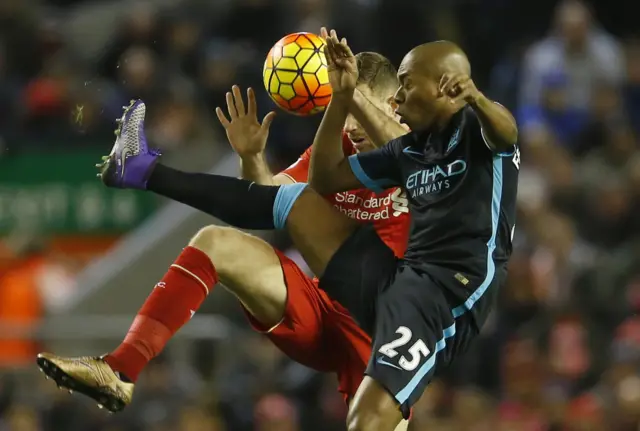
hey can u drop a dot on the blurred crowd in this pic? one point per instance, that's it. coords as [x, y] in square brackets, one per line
[562, 351]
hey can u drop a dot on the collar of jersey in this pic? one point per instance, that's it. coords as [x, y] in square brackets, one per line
[436, 145]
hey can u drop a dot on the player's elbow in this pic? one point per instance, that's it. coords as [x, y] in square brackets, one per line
[507, 142]
[502, 140]
[320, 180]
[511, 134]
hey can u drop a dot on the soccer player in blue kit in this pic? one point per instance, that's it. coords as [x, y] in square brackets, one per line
[459, 167]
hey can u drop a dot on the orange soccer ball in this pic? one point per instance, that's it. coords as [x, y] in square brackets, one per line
[295, 74]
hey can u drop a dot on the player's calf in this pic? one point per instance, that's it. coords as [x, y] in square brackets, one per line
[172, 302]
[373, 408]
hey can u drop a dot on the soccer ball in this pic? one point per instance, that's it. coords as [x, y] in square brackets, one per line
[295, 74]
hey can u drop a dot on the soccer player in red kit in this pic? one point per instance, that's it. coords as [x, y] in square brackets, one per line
[279, 299]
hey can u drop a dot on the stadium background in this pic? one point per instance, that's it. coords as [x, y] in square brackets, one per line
[562, 351]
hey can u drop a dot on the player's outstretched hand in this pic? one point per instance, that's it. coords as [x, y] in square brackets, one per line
[459, 87]
[342, 64]
[245, 133]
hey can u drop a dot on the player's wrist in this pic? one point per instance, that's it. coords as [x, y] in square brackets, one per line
[343, 96]
[477, 100]
[252, 156]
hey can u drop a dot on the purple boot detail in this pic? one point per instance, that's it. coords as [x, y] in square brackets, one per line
[131, 161]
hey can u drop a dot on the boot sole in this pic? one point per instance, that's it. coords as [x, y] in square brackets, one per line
[64, 380]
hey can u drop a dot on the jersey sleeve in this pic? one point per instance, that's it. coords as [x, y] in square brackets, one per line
[378, 169]
[299, 170]
[476, 129]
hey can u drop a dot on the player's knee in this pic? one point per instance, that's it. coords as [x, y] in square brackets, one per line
[211, 239]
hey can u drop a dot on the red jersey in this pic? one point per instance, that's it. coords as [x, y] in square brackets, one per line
[388, 211]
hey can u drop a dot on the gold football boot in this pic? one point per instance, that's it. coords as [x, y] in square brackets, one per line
[90, 376]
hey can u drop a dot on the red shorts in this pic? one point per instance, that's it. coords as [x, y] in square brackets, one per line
[317, 331]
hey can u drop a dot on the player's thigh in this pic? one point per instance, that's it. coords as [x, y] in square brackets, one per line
[414, 323]
[318, 229]
[247, 266]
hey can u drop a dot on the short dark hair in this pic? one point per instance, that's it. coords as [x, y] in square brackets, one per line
[377, 72]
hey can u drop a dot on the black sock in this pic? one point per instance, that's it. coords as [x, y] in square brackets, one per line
[240, 203]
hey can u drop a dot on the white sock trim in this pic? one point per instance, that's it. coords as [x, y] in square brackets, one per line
[186, 271]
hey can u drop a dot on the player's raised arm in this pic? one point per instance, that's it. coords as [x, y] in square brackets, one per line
[380, 127]
[249, 138]
[499, 128]
[330, 171]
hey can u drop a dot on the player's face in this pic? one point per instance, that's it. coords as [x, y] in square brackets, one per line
[417, 98]
[355, 131]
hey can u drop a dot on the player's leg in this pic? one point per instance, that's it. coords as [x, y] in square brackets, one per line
[350, 353]
[373, 408]
[317, 228]
[413, 326]
[373, 394]
[172, 302]
[248, 266]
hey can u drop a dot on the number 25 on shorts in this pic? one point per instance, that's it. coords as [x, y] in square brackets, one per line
[416, 352]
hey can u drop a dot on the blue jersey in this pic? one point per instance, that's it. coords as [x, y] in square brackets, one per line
[462, 201]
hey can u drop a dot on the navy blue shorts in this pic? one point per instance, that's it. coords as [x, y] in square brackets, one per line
[406, 310]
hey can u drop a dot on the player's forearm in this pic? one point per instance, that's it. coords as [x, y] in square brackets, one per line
[327, 153]
[255, 168]
[498, 125]
[380, 127]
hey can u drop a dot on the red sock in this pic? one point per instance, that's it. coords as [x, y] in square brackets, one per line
[169, 306]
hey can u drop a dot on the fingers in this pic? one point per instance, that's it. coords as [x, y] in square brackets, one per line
[341, 47]
[443, 80]
[346, 48]
[452, 85]
[335, 48]
[223, 120]
[445, 84]
[267, 120]
[253, 106]
[332, 56]
[462, 96]
[236, 107]
[468, 93]
[329, 48]
[231, 106]
[237, 95]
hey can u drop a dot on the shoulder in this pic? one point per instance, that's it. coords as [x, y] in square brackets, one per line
[401, 142]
